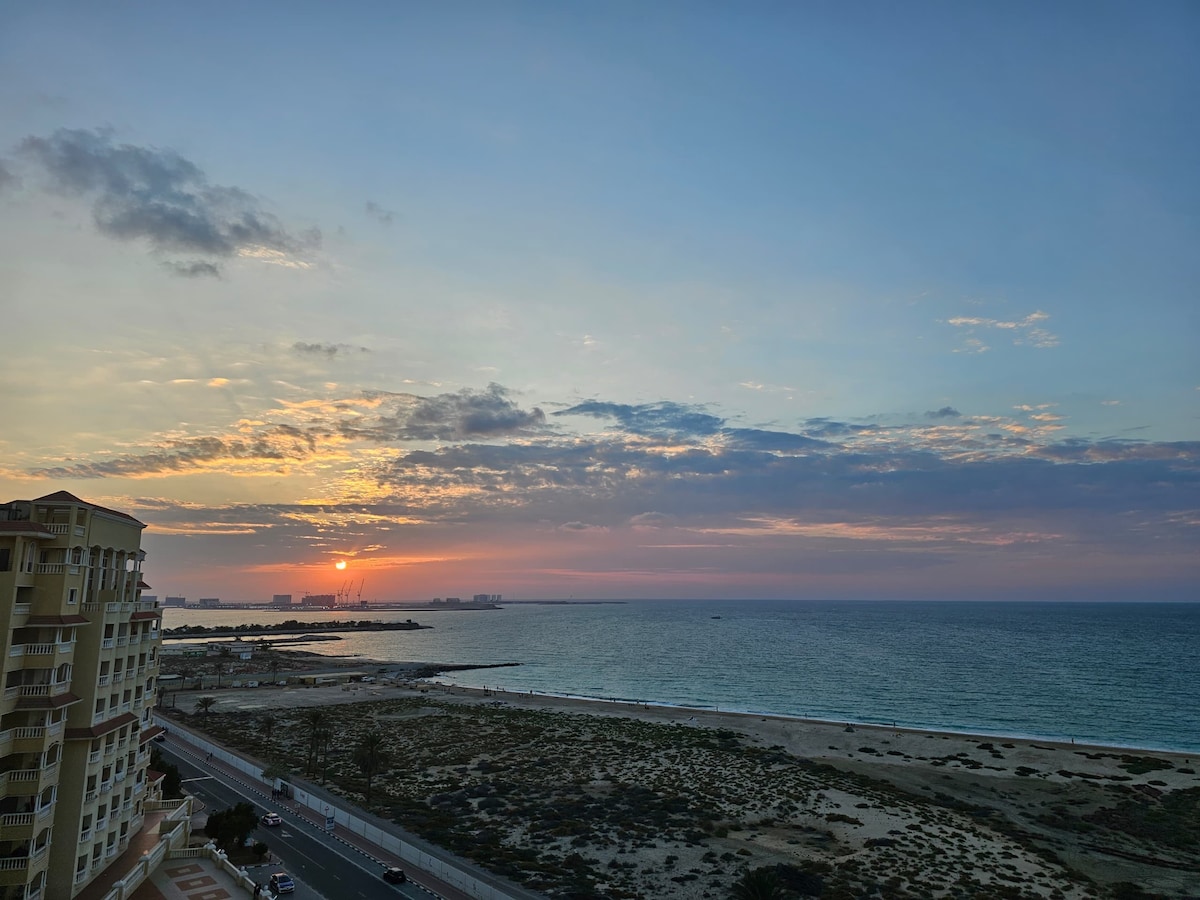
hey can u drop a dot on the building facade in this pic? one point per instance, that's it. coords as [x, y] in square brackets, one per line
[80, 668]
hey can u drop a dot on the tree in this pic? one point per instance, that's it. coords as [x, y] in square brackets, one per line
[315, 720]
[370, 757]
[758, 884]
[204, 704]
[268, 724]
[185, 674]
[218, 667]
[274, 662]
[230, 827]
[171, 778]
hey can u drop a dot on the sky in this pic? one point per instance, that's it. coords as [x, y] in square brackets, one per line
[611, 300]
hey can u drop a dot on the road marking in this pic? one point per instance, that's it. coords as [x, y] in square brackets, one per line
[200, 778]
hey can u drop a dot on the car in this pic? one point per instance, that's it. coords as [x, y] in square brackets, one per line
[394, 875]
[281, 883]
[160, 739]
[271, 820]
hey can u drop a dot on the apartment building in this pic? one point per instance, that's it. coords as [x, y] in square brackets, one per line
[80, 667]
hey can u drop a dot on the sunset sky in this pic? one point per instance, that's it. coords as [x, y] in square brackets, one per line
[860, 300]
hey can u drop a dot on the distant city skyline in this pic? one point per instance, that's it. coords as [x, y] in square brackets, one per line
[814, 301]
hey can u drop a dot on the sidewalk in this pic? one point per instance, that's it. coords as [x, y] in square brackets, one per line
[196, 878]
[312, 819]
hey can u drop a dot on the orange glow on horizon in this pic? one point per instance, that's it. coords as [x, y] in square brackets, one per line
[340, 564]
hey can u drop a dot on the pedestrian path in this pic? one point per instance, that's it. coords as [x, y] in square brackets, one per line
[194, 878]
[435, 887]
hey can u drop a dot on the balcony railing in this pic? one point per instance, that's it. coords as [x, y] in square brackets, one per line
[90, 797]
[107, 643]
[58, 528]
[85, 835]
[106, 786]
[10, 863]
[16, 819]
[122, 641]
[94, 757]
[103, 680]
[22, 609]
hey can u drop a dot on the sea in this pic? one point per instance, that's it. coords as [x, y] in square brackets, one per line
[1117, 674]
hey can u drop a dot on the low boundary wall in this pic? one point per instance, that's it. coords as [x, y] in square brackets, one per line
[409, 849]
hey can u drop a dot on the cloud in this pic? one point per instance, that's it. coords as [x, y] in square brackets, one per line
[467, 414]
[279, 443]
[1027, 331]
[196, 269]
[660, 418]
[326, 349]
[946, 412]
[7, 178]
[379, 214]
[156, 195]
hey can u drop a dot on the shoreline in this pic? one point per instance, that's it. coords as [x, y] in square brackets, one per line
[655, 792]
[405, 670]
[631, 707]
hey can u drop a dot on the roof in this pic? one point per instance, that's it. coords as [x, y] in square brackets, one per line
[58, 620]
[68, 497]
[102, 729]
[24, 528]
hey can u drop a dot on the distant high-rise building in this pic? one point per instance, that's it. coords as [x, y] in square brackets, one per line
[175, 601]
[281, 600]
[80, 671]
[209, 602]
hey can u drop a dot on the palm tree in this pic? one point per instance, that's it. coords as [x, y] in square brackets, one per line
[204, 704]
[315, 719]
[218, 667]
[370, 757]
[759, 884]
[184, 674]
[268, 724]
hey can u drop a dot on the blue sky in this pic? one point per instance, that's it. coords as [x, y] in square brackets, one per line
[619, 300]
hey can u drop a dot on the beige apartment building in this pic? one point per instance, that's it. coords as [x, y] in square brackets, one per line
[80, 664]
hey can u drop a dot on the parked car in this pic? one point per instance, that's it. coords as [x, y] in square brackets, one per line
[271, 820]
[394, 875]
[281, 883]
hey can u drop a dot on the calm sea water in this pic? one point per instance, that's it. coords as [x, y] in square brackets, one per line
[1125, 674]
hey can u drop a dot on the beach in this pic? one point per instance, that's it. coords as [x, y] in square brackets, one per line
[611, 799]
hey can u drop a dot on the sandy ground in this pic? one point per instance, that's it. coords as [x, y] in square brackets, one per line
[625, 800]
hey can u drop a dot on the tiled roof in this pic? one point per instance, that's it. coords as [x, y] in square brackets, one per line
[102, 729]
[25, 527]
[68, 497]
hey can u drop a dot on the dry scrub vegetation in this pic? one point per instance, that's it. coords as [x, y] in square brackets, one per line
[589, 806]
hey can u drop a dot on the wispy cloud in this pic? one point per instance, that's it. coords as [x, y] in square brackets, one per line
[326, 349]
[1027, 331]
[379, 214]
[156, 195]
[7, 178]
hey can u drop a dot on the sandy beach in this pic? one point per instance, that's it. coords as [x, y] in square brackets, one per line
[597, 799]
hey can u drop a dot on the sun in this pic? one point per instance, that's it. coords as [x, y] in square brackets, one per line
[340, 564]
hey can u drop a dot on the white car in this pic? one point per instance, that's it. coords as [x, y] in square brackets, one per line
[271, 820]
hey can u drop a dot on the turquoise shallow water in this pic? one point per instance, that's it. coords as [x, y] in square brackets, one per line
[1126, 674]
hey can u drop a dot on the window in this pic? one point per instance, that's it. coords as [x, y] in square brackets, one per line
[73, 596]
[5, 559]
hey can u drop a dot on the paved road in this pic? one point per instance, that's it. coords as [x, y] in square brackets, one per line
[323, 868]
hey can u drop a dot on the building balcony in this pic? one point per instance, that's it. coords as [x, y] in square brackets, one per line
[22, 609]
[93, 757]
[122, 640]
[108, 643]
[118, 677]
[90, 797]
[106, 786]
